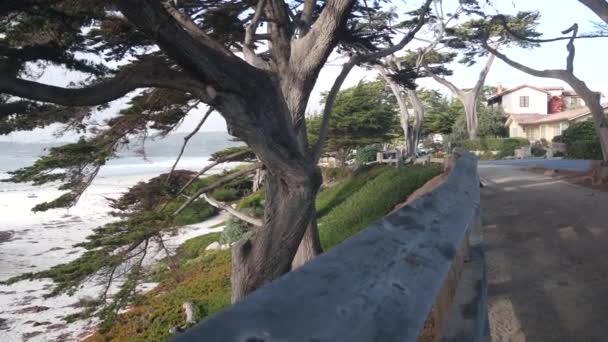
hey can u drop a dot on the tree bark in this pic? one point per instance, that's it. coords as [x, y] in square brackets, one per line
[310, 246]
[289, 210]
[592, 100]
[404, 113]
[469, 101]
[419, 117]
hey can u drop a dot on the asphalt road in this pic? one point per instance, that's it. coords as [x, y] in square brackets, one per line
[546, 245]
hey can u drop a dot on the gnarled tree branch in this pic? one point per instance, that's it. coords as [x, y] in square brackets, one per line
[250, 38]
[548, 73]
[570, 47]
[221, 182]
[306, 17]
[239, 214]
[193, 29]
[210, 64]
[187, 139]
[227, 158]
[101, 92]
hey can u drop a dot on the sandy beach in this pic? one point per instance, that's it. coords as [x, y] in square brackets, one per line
[31, 242]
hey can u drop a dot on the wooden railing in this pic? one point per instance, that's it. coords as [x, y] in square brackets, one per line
[412, 276]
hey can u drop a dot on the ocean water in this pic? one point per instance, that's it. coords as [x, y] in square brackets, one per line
[160, 154]
[31, 242]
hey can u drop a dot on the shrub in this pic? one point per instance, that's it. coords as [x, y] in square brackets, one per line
[366, 154]
[558, 154]
[510, 145]
[197, 212]
[580, 131]
[492, 122]
[487, 155]
[226, 194]
[544, 142]
[585, 149]
[538, 150]
[505, 147]
[254, 200]
[206, 284]
[558, 139]
[235, 231]
[494, 144]
[582, 141]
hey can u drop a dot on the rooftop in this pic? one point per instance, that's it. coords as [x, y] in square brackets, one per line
[501, 94]
[532, 119]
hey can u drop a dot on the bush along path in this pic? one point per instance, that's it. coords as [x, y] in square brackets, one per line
[354, 201]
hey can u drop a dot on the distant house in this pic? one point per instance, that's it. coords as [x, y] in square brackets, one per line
[538, 126]
[537, 113]
[527, 99]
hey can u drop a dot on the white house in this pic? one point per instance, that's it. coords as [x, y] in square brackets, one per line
[537, 113]
[524, 99]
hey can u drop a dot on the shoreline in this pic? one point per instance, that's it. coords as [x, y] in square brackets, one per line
[32, 242]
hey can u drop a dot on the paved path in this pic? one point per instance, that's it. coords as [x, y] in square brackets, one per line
[561, 164]
[546, 245]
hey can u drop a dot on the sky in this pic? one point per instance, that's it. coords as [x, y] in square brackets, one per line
[556, 17]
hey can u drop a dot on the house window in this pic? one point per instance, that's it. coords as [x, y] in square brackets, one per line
[576, 101]
[543, 128]
[524, 101]
[562, 127]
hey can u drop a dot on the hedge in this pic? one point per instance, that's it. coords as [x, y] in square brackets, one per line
[582, 141]
[494, 144]
[585, 149]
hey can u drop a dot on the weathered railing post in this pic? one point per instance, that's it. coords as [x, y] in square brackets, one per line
[401, 279]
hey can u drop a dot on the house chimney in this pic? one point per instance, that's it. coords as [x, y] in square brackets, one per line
[499, 88]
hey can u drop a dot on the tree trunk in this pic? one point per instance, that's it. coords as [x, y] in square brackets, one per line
[418, 107]
[310, 246]
[469, 101]
[290, 204]
[404, 114]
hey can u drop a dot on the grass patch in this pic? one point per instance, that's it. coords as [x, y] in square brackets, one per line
[193, 248]
[346, 208]
[254, 200]
[331, 197]
[371, 201]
